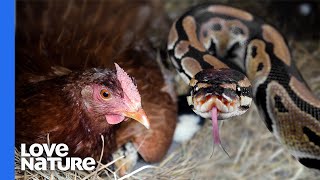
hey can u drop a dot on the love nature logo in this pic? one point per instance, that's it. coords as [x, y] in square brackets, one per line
[39, 157]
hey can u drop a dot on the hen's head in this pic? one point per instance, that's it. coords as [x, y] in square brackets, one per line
[113, 95]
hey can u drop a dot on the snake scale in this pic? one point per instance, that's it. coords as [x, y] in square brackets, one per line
[213, 46]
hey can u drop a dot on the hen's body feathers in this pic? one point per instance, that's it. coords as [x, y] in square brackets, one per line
[80, 35]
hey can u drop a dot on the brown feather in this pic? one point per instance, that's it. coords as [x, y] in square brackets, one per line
[77, 35]
[158, 104]
[55, 107]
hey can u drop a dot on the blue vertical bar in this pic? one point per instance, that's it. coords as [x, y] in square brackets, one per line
[7, 81]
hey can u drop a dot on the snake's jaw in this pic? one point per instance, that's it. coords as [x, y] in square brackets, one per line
[245, 102]
[226, 109]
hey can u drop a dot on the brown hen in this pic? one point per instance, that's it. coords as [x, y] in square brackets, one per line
[81, 35]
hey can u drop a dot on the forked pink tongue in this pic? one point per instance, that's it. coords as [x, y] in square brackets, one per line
[215, 127]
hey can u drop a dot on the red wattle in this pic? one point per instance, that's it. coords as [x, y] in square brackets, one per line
[114, 119]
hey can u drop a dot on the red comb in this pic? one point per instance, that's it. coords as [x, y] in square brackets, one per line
[129, 89]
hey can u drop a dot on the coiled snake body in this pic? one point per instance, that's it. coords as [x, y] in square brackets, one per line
[208, 41]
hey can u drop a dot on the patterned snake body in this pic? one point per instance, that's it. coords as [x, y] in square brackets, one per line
[208, 41]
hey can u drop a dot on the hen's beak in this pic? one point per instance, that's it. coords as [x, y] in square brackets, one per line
[139, 116]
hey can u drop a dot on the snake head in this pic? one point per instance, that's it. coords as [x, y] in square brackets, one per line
[226, 89]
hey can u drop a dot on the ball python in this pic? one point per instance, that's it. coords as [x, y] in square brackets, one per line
[228, 57]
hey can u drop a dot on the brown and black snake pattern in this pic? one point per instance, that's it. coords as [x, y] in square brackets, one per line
[216, 36]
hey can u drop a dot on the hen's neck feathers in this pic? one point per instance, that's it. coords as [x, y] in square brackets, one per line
[55, 106]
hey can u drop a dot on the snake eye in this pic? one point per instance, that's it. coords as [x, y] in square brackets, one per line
[105, 94]
[238, 90]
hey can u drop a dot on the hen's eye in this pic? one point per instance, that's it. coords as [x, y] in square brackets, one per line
[238, 91]
[105, 94]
